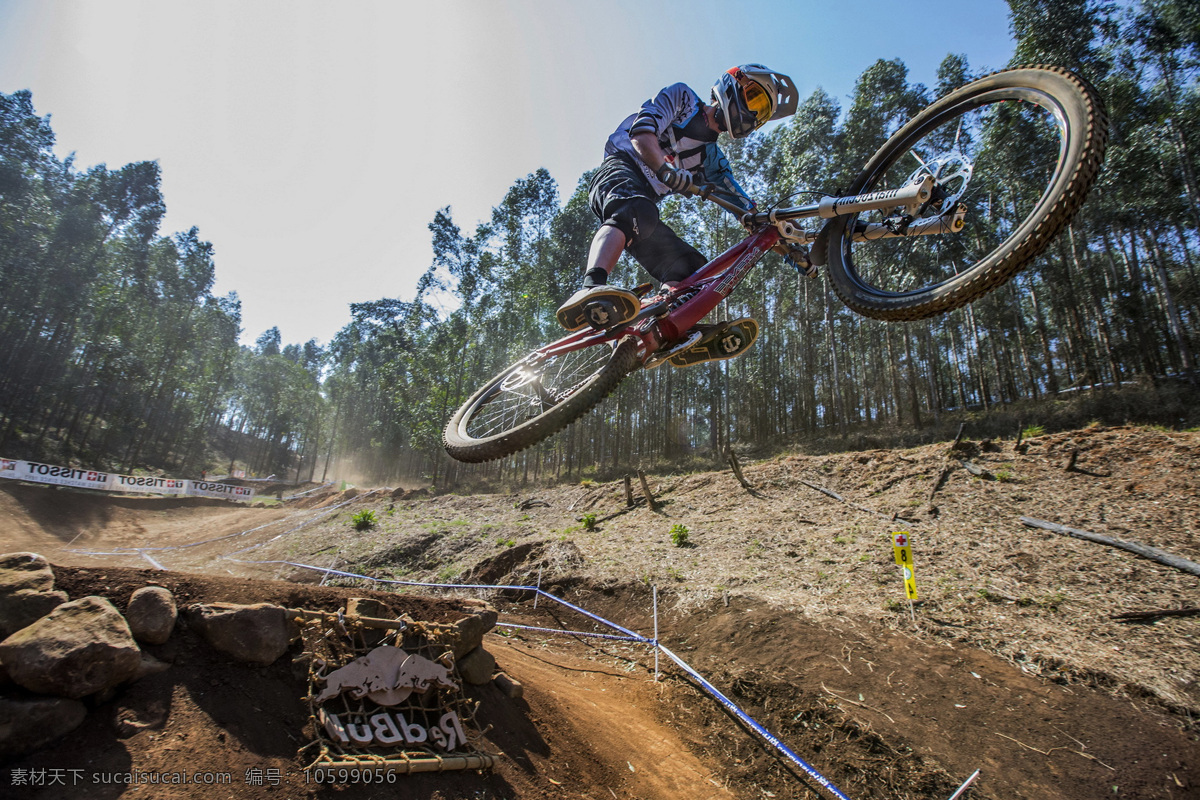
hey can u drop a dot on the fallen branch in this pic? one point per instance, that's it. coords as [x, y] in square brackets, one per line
[946, 470]
[840, 499]
[1052, 749]
[1150, 616]
[1152, 553]
[957, 436]
[736, 466]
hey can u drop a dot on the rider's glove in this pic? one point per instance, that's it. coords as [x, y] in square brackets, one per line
[677, 180]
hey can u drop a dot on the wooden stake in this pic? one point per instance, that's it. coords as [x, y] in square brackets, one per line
[737, 469]
[958, 436]
[646, 491]
[628, 492]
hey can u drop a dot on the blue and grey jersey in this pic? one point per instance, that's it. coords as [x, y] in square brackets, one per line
[676, 117]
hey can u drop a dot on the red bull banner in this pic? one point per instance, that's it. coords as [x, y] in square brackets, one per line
[387, 676]
[36, 472]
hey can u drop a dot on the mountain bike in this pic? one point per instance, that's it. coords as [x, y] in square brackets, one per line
[953, 205]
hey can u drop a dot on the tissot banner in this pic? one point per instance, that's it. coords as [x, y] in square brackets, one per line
[111, 482]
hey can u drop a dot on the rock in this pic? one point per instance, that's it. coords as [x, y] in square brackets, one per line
[150, 666]
[29, 725]
[477, 666]
[151, 614]
[511, 688]
[469, 631]
[257, 633]
[80, 648]
[367, 607]
[26, 591]
[484, 610]
[25, 571]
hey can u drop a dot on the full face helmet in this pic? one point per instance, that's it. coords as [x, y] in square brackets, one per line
[751, 95]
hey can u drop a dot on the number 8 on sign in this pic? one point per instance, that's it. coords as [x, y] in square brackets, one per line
[902, 550]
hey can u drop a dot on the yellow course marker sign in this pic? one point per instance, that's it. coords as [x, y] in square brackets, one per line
[902, 550]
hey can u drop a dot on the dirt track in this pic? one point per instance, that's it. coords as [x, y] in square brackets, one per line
[785, 601]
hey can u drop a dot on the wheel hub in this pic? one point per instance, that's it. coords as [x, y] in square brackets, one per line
[951, 173]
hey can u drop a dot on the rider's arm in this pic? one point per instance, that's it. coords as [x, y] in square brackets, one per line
[668, 106]
[718, 173]
[646, 145]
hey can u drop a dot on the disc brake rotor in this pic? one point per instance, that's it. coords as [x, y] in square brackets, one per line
[951, 173]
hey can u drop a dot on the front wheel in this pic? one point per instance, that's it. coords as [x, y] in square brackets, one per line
[535, 398]
[1013, 154]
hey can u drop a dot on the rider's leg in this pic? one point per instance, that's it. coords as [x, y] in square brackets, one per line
[667, 257]
[596, 303]
[625, 204]
[607, 246]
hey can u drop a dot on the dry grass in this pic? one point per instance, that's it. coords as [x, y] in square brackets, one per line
[1043, 601]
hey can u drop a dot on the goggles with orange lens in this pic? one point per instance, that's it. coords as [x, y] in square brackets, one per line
[758, 102]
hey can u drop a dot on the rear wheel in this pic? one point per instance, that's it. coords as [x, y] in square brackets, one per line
[1014, 153]
[535, 398]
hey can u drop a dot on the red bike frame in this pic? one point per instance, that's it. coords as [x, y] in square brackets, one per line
[659, 323]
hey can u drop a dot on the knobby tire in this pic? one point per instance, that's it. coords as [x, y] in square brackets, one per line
[461, 445]
[1086, 135]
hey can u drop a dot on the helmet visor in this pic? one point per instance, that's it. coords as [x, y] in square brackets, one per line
[758, 102]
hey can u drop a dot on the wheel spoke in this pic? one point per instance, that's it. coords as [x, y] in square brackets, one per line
[534, 388]
[967, 153]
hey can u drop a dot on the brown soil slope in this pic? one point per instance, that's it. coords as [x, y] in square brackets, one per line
[786, 598]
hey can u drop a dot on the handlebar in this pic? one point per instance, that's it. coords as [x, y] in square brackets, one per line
[705, 192]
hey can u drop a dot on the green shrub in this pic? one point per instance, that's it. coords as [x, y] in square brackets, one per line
[679, 535]
[364, 520]
[589, 521]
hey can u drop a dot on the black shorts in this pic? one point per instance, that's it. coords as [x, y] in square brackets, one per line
[621, 196]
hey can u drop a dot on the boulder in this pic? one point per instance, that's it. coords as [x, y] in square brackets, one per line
[151, 614]
[469, 631]
[27, 725]
[26, 591]
[80, 648]
[477, 667]
[257, 633]
[25, 571]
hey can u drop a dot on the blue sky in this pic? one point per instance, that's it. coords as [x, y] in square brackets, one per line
[312, 142]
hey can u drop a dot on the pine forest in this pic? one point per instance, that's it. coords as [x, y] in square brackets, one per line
[116, 353]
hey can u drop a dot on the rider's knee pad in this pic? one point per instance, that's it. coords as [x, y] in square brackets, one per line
[636, 217]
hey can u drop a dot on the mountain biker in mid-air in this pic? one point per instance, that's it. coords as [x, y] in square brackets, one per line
[669, 146]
